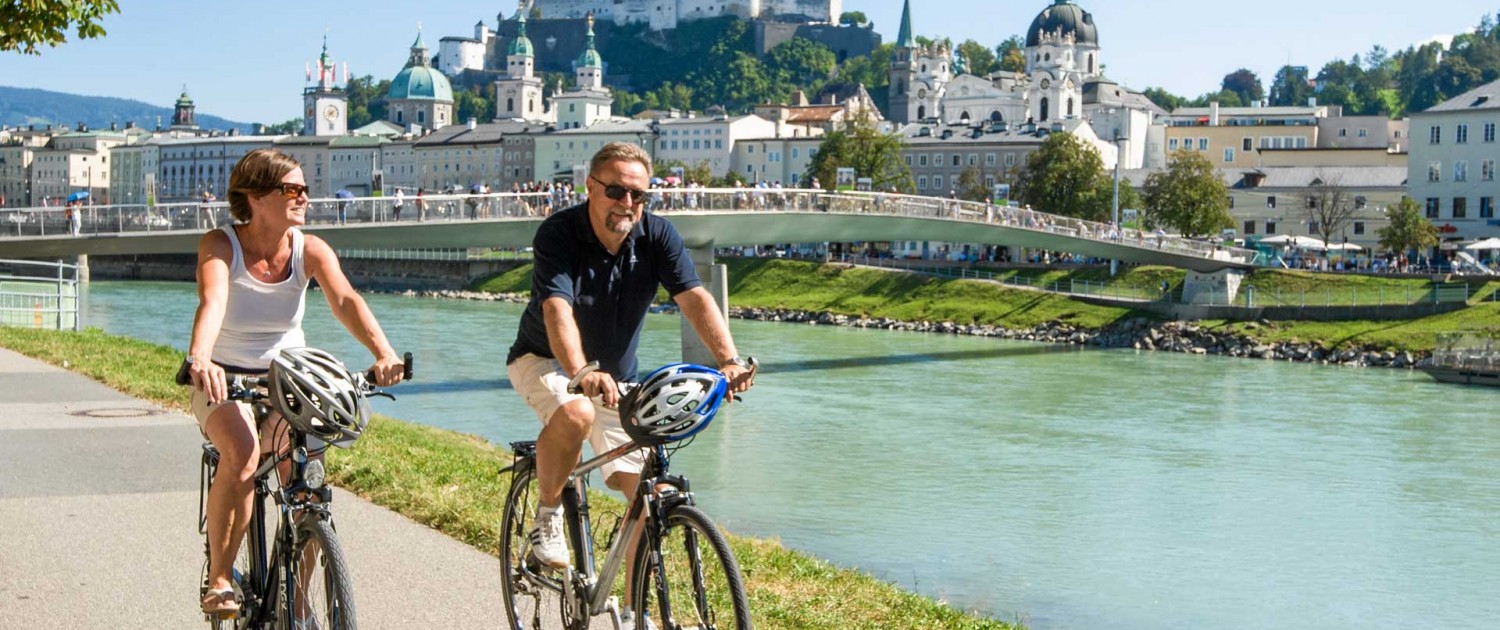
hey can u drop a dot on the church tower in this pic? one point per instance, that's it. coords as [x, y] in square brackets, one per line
[182, 116]
[919, 75]
[325, 108]
[590, 101]
[1062, 55]
[519, 94]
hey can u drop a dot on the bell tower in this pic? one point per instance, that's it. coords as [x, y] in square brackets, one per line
[325, 107]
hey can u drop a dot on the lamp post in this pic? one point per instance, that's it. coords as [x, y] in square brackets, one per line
[1114, 263]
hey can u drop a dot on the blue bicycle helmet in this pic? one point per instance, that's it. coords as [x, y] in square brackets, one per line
[673, 403]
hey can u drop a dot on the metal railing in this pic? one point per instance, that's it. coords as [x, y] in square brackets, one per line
[39, 295]
[1466, 351]
[1064, 286]
[97, 220]
[471, 254]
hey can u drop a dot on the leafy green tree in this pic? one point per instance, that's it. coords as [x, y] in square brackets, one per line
[873, 70]
[366, 99]
[1164, 99]
[472, 103]
[1011, 54]
[1409, 229]
[970, 185]
[1066, 177]
[29, 23]
[285, 128]
[1245, 84]
[862, 147]
[980, 58]
[628, 104]
[1188, 196]
[1290, 87]
[853, 18]
[800, 62]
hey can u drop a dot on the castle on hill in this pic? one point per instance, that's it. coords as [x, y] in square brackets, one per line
[666, 14]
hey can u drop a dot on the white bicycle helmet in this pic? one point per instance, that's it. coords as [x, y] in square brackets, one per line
[673, 403]
[318, 395]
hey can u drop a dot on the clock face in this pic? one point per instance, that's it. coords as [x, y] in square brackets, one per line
[922, 93]
[331, 112]
[1046, 83]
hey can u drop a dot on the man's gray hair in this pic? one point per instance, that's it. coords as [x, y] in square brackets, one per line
[620, 151]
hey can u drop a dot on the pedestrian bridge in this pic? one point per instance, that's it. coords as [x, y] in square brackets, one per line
[706, 218]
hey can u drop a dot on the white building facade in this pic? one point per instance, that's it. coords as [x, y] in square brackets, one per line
[1453, 161]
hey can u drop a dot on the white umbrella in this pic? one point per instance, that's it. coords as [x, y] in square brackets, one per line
[1344, 246]
[1489, 243]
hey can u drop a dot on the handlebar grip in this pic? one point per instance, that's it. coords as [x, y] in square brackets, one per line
[184, 376]
[406, 371]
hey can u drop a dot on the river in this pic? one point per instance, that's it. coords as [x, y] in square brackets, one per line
[1063, 487]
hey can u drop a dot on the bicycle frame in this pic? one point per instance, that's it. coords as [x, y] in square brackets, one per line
[596, 582]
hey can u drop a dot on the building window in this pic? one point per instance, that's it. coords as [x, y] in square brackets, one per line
[1461, 134]
[1270, 201]
[1432, 207]
[1487, 170]
[989, 159]
[1343, 133]
[1203, 144]
[1231, 202]
[1249, 227]
[922, 159]
[1460, 207]
[1246, 144]
[1460, 171]
[1364, 133]
[957, 159]
[1228, 155]
[1486, 207]
[1435, 135]
[1434, 171]
[1010, 159]
[1171, 144]
[922, 183]
[908, 160]
[937, 182]
[973, 159]
[1312, 227]
[1489, 132]
[1270, 227]
[1359, 228]
[1312, 202]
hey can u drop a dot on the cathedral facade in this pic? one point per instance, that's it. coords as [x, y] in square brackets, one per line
[1063, 81]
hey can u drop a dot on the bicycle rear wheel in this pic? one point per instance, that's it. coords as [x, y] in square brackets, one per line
[531, 591]
[690, 579]
[322, 595]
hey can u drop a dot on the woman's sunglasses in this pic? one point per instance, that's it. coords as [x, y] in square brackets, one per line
[290, 191]
[618, 192]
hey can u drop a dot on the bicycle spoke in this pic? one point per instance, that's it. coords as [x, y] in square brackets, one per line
[532, 594]
[696, 583]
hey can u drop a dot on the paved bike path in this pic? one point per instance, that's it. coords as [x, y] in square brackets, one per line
[98, 511]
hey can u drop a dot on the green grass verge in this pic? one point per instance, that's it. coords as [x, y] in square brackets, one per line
[449, 481]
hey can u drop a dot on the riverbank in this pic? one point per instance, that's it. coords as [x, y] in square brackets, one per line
[841, 295]
[447, 480]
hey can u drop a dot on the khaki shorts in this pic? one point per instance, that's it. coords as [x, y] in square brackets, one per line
[541, 383]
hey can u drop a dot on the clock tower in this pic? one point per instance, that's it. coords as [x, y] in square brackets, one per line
[325, 107]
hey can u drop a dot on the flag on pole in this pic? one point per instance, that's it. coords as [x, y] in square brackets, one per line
[307, 67]
[346, 72]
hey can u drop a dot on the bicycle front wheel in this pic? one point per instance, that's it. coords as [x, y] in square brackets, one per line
[689, 578]
[320, 594]
[530, 591]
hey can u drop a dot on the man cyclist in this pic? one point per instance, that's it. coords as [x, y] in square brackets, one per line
[597, 269]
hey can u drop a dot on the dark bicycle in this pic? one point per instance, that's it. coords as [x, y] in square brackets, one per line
[685, 576]
[293, 576]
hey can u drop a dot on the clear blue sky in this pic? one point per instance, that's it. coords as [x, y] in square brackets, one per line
[244, 60]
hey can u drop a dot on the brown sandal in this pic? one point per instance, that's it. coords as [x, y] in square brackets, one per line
[220, 603]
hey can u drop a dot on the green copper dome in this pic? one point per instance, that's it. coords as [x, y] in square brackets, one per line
[521, 45]
[590, 57]
[1063, 17]
[419, 80]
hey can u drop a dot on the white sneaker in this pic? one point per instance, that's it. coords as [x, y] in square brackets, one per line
[547, 540]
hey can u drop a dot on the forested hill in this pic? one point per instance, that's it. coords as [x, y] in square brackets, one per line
[28, 106]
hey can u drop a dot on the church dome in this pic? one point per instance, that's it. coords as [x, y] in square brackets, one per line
[521, 45]
[421, 82]
[1062, 18]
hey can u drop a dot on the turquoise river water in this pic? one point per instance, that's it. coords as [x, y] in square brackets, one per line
[1063, 487]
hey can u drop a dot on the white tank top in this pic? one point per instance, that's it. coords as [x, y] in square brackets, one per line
[261, 318]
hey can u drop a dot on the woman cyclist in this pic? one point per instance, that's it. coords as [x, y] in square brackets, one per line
[252, 281]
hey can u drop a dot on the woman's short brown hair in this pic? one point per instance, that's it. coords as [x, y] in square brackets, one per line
[254, 175]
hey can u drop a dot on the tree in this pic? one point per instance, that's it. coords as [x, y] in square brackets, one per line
[801, 62]
[1330, 206]
[472, 103]
[29, 23]
[1244, 83]
[1164, 99]
[1188, 196]
[1066, 177]
[286, 128]
[859, 145]
[970, 185]
[873, 70]
[1290, 87]
[1012, 54]
[980, 58]
[1409, 230]
[853, 18]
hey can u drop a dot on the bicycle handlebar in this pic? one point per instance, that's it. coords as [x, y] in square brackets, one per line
[574, 386]
[249, 388]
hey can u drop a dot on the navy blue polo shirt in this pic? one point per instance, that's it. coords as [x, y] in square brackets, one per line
[610, 293]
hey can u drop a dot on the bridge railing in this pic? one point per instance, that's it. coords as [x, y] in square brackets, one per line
[98, 220]
[39, 295]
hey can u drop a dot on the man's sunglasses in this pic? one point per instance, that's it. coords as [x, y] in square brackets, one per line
[618, 192]
[290, 191]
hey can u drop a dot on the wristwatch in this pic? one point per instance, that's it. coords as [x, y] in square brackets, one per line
[735, 360]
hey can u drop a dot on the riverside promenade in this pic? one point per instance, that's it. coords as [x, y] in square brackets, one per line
[98, 510]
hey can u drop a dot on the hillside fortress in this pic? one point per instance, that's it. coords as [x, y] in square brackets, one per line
[665, 14]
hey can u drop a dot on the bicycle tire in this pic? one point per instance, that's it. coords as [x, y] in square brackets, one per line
[530, 594]
[695, 558]
[326, 589]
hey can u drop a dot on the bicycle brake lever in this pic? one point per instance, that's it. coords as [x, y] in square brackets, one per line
[381, 393]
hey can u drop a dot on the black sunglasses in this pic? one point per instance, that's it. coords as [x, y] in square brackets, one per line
[618, 192]
[290, 191]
